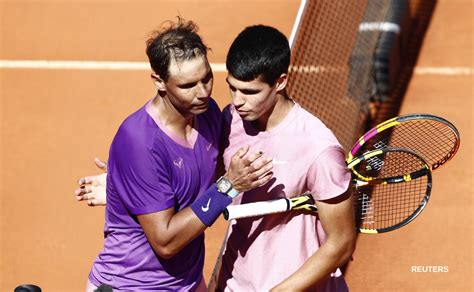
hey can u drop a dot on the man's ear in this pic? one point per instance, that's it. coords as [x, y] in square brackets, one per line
[159, 82]
[281, 82]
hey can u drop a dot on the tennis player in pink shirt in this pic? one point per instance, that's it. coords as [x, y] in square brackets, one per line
[290, 251]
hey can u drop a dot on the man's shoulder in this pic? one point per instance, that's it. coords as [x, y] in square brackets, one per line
[213, 108]
[311, 122]
[228, 108]
[315, 129]
[308, 117]
[213, 114]
[227, 112]
[136, 130]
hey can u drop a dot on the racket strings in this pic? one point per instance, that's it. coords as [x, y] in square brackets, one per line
[389, 165]
[385, 206]
[432, 139]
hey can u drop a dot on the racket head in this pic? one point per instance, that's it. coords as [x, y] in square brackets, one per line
[395, 194]
[432, 137]
[387, 165]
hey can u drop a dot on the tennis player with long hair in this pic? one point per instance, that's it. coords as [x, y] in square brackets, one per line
[161, 194]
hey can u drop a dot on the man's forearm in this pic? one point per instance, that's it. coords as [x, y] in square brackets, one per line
[318, 267]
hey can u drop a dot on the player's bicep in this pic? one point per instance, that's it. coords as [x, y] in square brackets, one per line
[328, 176]
[337, 216]
[156, 223]
[155, 226]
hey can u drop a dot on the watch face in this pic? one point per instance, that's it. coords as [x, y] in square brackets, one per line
[224, 185]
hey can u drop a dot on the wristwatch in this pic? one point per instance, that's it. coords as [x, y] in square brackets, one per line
[224, 185]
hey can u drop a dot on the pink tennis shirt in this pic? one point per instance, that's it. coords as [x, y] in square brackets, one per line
[263, 251]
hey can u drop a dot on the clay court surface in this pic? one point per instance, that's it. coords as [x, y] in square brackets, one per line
[55, 121]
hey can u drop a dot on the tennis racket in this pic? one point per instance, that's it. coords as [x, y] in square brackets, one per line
[432, 137]
[391, 188]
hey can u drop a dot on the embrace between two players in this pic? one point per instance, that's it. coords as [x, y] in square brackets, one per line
[161, 185]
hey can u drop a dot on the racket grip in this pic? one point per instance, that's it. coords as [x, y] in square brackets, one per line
[256, 209]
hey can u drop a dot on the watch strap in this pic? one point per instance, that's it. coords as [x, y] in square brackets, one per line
[232, 193]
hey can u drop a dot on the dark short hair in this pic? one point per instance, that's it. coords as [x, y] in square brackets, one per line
[259, 51]
[176, 40]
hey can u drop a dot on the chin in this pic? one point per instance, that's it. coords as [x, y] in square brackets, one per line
[199, 111]
[248, 118]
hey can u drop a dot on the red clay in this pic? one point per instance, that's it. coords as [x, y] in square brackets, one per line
[54, 122]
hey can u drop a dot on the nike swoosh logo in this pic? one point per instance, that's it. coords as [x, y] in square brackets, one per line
[208, 147]
[206, 208]
[274, 161]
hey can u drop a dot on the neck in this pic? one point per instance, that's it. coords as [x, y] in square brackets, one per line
[171, 117]
[275, 115]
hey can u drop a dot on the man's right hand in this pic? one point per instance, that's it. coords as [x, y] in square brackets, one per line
[92, 188]
[247, 172]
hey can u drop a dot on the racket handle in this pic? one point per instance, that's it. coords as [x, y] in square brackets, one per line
[256, 209]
